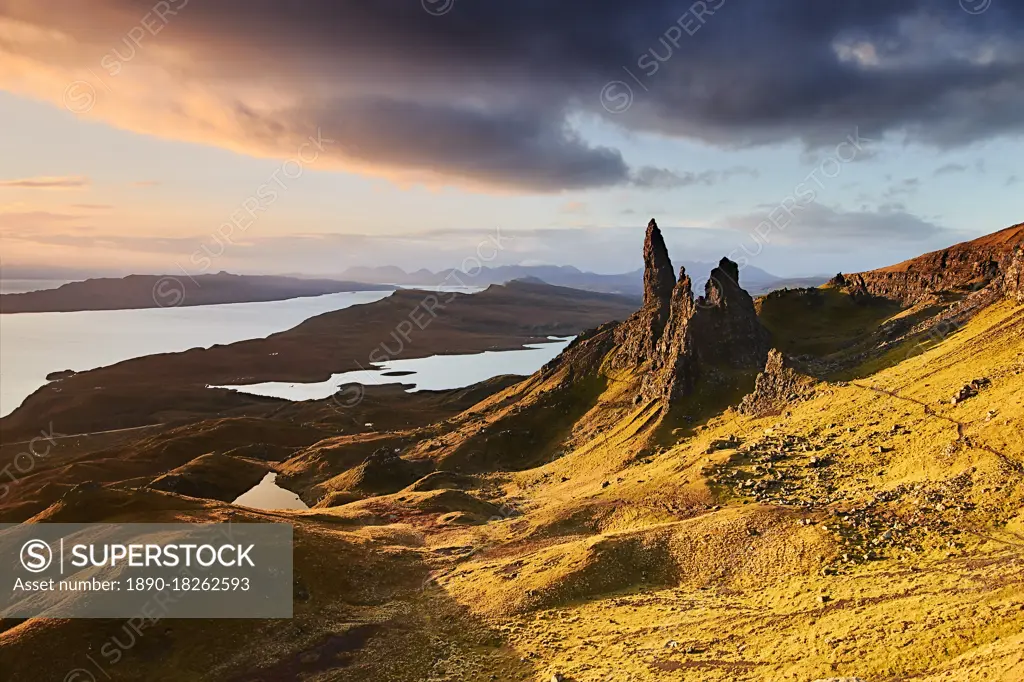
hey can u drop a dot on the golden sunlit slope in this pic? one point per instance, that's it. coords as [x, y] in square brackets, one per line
[874, 530]
[870, 529]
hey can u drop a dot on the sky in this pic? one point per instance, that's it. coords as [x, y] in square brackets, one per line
[258, 136]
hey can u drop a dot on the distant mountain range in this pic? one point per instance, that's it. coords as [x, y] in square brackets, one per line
[153, 291]
[753, 279]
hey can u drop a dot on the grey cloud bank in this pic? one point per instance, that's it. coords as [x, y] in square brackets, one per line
[488, 93]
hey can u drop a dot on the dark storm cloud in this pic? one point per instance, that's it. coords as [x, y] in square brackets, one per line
[490, 147]
[490, 91]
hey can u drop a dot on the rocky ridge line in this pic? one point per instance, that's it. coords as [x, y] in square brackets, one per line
[968, 266]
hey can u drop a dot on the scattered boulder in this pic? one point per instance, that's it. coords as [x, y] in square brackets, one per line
[970, 390]
[722, 444]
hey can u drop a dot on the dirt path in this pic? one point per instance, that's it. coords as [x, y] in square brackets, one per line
[62, 436]
[960, 426]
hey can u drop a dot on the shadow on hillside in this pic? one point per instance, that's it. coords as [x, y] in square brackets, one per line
[364, 611]
[539, 429]
[712, 395]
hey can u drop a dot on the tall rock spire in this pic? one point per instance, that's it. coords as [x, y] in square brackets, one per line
[659, 280]
[638, 337]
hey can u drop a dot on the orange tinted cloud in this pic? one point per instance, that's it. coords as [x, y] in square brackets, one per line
[57, 182]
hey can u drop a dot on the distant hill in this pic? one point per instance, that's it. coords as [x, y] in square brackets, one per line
[754, 279]
[167, 291]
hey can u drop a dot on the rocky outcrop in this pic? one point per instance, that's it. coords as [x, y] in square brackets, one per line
[675, 364]
[675, 338]
[658, 278]
[726, 328]
[213, 476]
[964, 267]
[776, 388]
[1013, 280]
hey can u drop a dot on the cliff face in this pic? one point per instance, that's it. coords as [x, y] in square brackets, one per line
[1013, 280]
[968, 266]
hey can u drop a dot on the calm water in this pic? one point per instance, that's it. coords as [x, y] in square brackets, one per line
[434, 373]
[34, 344]
[267, 494]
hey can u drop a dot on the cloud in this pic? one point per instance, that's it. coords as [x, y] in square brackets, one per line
[820, 239]
[491, 93]
[43, 182]
[662, 178]
[906, 187]
[817, 223]
[949, 169]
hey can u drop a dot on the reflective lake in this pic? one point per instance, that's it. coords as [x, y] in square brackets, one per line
[267, 494]
[434, 373]
[34, 344]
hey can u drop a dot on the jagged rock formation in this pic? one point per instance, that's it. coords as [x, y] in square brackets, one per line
[676, 337]
[968, 266]
[718, 331]
[776, 387]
